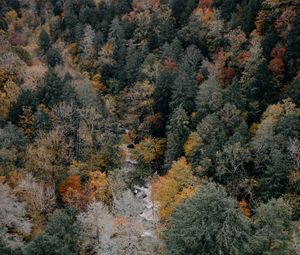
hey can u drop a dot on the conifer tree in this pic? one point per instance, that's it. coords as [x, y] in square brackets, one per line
[177, 132]
[44, 41]
[208, 223]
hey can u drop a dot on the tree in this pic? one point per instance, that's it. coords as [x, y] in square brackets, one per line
[98, 229]
[87, 44]
[273, 228]
[173, 188]
[98, 187]
[71, 192]
[54, 89]
[183, 92]
[231, 165]
[40, 198]
[293, 92]
[224, 230]
[61, 236]
[209, 97]
[14, 225]
[54, 57]
[149, 149]
[12, 147]
[215, 130]
[271, 160]
[44, 41]
[292, 54]
[177, 132]
[249, 13]
[48, 157]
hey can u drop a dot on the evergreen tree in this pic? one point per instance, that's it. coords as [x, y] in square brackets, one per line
[183, 92]
[177, 132]
[248, 16]
[293, 92]
[208, 223]
[292, 48]
[44, 41]
[54, 57]
[60, 237]
[162, 92]
[54, 90]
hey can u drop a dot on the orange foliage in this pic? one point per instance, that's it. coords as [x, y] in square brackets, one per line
[243, 57]
[276, 65]
[71, 192]
[207, 15]
[243, 204]
[98, 187]
[121, 221]
[205, 4]
[170, 190]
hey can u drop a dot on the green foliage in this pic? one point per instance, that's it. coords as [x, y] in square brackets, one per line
[292, 52]
[54, 57]
[177, 132]
[54, 89]
[44, 41]
[248, 16]
[60, 237]
[208, 223]
[24, 55]
[273, 228]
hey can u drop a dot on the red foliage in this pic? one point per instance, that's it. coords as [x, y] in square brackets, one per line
[276, 65]
[71, 192]
[228, 75]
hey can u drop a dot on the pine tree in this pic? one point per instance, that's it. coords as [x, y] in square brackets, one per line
[44, 41]
[248, 16]
[177, 132]
[54, 89]
[292, 48]
[183, 92]
[208, 223]
[54, 57]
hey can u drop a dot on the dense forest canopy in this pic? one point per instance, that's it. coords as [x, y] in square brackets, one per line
[134, 127]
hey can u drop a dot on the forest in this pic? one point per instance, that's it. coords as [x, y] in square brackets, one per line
[149, 127]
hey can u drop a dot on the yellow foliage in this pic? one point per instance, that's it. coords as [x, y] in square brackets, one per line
[11, 16]
[13, 178]
[98, 187]
[149, 149]
[193, 140]
[253, 129]
[26, 121]
[175, 187]
[8, 95]
[97, 83]
[73, 49]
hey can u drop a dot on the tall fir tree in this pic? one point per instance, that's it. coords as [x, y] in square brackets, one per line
[177, 132]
